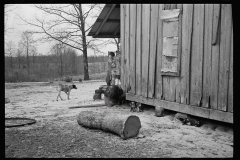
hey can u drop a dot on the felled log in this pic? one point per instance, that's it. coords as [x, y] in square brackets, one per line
[126, 126]
[88, 106]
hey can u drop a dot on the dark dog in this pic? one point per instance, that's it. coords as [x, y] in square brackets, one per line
[114, 95]
[66, 89]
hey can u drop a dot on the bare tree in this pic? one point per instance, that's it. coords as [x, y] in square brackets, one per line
[26, 44]
[11, 48]
[8, 8]
[117, 42]
[58, 50]
[19, 53]
[69, 24]
[33, 51]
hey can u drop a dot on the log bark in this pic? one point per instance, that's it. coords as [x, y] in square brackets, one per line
[126, 126]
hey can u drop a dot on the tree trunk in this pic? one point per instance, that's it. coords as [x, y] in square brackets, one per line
[126, 126]
[61, 63]
[117, 43]
[27, 63]
[84, 44]
[11, 61]
[19, 62]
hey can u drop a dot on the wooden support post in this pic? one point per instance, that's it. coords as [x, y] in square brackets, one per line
[159, 111]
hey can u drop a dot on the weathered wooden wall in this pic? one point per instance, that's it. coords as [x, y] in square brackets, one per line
[205, 46]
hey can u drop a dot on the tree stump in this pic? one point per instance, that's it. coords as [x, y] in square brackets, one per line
[126, 126]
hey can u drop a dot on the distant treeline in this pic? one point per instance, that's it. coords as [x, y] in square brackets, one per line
[50, 67]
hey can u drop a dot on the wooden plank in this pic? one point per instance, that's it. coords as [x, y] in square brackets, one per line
[158, 84]
[166, 85]
[177, 79]
[215, 59]
[127, 39]
[139, 50]
[185, 54]
[132, 62]
[221, 116]
[207, 54]
[197, 55]
[122, 14]
[106, 36]
[173, 6]
[172, 82]
[230, 85]
[117, 30]
[105, 18]
[225, 51]
[167, 6]
[216, 23]
[165, 79]
[153, 49]
[184, 108]
[145, 46]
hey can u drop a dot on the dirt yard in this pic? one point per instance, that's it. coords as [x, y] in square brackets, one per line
[57, 133]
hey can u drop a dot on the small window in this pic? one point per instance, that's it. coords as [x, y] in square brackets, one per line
[170, 56]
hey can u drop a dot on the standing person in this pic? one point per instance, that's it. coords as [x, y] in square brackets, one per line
[110, 79]
[118, 68]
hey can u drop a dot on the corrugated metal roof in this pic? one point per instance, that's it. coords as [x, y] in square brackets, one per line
[107, 24]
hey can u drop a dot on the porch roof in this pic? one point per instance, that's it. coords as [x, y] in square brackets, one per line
[107, 24]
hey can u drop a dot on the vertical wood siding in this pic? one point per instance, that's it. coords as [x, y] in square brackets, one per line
[153, 49]
[197, 55]
[215, 56]
[230, 85]
[122, 32]
[145, 46]
[207, 54]
[186, 50]
[139, 50]
[132, 53]
[158, 81]
[225, 51]
[170, 81]
[205, 48]
[177, 79]
[127, 45]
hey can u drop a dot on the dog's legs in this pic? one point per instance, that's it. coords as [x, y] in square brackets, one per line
[59, 94]
[68, 94]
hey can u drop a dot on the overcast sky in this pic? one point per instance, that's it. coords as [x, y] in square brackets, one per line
[28, 12]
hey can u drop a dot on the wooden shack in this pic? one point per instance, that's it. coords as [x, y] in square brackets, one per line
[179, 57]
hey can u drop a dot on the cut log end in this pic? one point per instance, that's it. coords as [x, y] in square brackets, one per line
[126, 126]
[131, 127]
